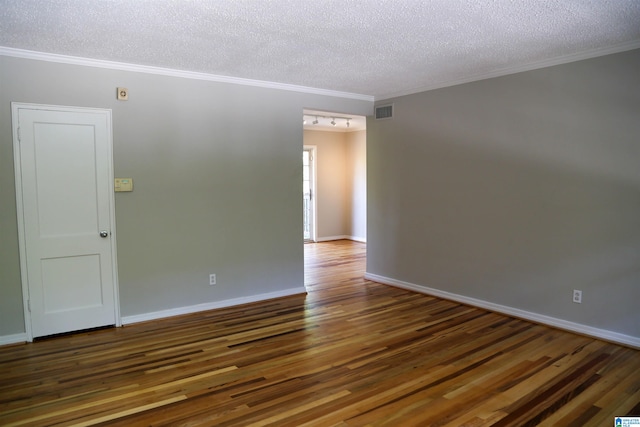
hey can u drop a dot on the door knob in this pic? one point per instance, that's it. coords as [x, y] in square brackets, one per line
[104, 233]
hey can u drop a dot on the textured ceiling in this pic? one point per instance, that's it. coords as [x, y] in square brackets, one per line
[370, 47]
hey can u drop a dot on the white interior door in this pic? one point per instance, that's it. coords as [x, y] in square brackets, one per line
[308, 194]
[64, 189]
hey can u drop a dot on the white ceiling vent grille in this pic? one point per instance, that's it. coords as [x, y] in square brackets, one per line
[384, 112]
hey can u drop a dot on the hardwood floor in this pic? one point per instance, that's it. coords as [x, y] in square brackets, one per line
[350, 353]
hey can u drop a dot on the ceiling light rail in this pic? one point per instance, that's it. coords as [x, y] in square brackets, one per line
[315, 121]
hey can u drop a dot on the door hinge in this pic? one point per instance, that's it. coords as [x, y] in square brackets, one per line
[29, 305]
[19, 137]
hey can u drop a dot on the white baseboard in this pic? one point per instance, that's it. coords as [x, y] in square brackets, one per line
[344, 237]
[330, 238]
[136, 318]
[579, 328]
[13, 339]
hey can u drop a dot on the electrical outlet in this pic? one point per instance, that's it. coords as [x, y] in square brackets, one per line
[577, 296]
[212, 279]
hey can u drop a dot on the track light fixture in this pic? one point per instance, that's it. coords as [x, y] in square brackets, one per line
[334, 119]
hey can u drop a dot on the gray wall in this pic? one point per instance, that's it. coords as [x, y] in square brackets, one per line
[217, 183]
[357, 161]
[516, 190]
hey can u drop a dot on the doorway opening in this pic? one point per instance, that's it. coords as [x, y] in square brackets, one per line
[334, 176]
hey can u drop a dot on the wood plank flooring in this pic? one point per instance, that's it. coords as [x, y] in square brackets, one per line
[350, 353]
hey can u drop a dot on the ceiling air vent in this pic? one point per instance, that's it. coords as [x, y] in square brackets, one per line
[384, 112]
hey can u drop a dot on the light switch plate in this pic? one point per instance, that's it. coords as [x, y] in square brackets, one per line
[123, 184]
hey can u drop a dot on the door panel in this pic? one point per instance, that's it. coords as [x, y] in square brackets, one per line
[70, 283]
[65, 186]
[66, 204]
[308, 194]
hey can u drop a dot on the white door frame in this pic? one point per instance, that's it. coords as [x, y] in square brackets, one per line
[15, 106]
[314, 193]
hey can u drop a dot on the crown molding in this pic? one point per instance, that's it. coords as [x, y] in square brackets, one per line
[122, 66]
[565, 59]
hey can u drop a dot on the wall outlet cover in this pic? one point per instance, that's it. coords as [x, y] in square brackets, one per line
[577, 296]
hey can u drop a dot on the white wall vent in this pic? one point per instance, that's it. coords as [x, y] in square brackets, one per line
[384, 112]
